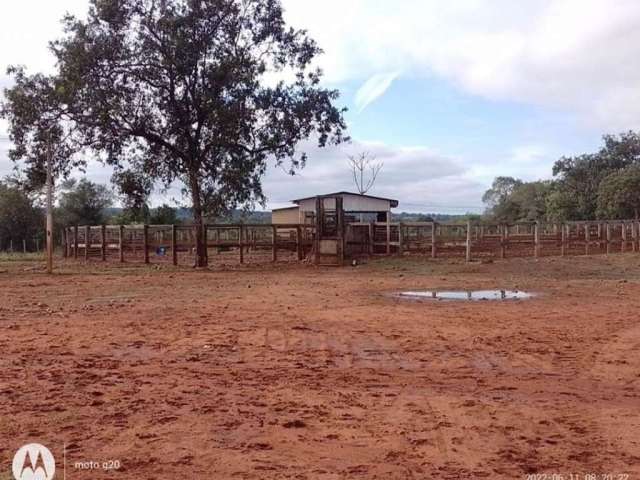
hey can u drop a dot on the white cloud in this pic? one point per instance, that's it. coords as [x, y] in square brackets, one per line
[27, 26]
[373, 89]
[525, 162]
[577, 55]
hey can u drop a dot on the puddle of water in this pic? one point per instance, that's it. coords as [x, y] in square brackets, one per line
[471, 295]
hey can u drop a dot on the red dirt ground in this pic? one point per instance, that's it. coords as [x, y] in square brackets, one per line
[299, 372]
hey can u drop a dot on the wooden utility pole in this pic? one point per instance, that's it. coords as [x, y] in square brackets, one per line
[49, 210]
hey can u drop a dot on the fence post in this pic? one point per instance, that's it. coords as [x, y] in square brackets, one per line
[275, 243]
[623, 247]
[145, 240]
[608, 239]
[434, 240]
[87, 242]
[299, 243]
[536, 239]
[103, 238]
[400, 251]
[121, 243]
[388, 226]
[468, 253]
[634, 233]
[24, 246]
[65, 242]
[587, 238]
[504, 232]
[174, 245]
[241, 244]
[75, 242]
[563, 240]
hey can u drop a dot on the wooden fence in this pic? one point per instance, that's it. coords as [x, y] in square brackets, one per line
[510, 240]
[294, 242]
[176, 243]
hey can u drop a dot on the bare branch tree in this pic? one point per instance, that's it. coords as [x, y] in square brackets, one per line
[365, 170]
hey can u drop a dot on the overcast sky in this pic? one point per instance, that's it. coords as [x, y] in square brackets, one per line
[449, 94]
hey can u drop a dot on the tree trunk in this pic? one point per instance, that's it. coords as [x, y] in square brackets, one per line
[201, 254]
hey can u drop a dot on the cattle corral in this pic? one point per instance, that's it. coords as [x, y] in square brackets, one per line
[297, 242]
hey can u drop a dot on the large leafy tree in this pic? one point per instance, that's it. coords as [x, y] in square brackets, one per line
[201, 91]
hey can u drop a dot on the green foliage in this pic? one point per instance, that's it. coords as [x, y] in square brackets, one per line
[561, 205]
[83, 203]
[512, 200]
[501, 207]
[619, 194]
[580, 177]
[20, 218]
[164, 215]
[134, 191]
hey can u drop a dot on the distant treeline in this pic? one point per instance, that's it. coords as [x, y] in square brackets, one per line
[600, 185]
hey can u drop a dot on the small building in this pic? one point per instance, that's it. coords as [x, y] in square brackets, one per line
[357, 208]
[287, 215]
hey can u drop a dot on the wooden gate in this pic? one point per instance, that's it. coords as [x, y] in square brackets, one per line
[329, 239]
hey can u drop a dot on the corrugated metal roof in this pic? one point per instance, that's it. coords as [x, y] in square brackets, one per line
[394, 203]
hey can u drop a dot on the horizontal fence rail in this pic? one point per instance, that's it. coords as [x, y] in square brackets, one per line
[537, 239]
[242, 243]
[176, 244]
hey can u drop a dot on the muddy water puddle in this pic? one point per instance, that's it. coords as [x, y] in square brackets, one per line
[467, 295]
